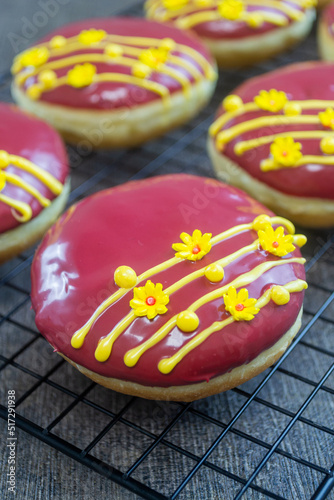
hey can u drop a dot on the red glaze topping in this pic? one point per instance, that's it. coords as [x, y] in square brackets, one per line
[73, 273]
[32, 139]
[113, 94]
[300, 82]
[227, 29]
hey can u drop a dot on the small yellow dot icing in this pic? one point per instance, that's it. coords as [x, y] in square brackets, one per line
[187, 321]
[47, 78]
[327, 145]
[280, 295]
[57, 42]
[292, 109]
[113, 50]
[214, 273]
[232, 102]
[125, 277]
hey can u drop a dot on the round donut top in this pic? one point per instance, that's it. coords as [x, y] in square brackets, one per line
[112, 63]
[167, 281]
[279, 128]
[33, 166]
[327, 18]
[228, 19]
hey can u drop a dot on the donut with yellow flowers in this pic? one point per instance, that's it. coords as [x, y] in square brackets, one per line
[239, 32]
[192, 289]
[326, 33]
[273, 137]
[34, 180]
[114, 82]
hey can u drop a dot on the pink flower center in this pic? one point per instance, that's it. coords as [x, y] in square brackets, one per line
[275, 244]
[239, 307]
[196, 249]
[284, 153]
[150, 301]
[272, 102]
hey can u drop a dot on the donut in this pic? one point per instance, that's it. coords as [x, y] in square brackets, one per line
[239, 32]
[34, 182]
[117, 82]
[191, 289]
[273, 137]
[326, 33]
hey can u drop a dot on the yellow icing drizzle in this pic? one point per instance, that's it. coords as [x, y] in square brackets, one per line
[191, 14]
[80, 335]
[132, 356]
[125, 55]
[22, 211]
[269, 164]
[168, 364]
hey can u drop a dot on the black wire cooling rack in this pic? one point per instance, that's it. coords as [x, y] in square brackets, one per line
[273, 437]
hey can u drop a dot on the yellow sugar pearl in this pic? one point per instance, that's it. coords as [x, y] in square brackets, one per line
[292, 109]
[187, 321]
[47, 78]
[4, 159]
[327, 145]
[255, 20]
[214, 273]
[57, 42]
[232, 102]
[140, 70]
[125, 277]
[280, 295]
[34, 92]
[113, 50]
[260, 222]
[168, 44]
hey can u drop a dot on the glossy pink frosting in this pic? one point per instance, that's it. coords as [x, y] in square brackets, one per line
[301, 81]
[112, 95]
[24, 135]
[224, 29]
[136, 225]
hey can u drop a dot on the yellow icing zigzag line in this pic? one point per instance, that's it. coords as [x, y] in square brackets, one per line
[132, 356]
[270, 164]
[46, 178]
[243, 146]
[168, 364]
[198, 18]
[264, 121]
[17, 181]
[19, 206]
[251, 106]
[79, 336]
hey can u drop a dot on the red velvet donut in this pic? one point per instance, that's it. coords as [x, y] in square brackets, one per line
[274, 138]
[33, 174]
[105, 80]
[148, 340]
[238, 32]
[326, 33]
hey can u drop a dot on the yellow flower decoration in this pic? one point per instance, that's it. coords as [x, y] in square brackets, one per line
[81, 75]
[149, 300]
[286, 151]
[153, 58]
[175, 4]
[34, 57]
[231, 9]
[239, 305]
[2, 180]
[276, 242]
[193, 247]
[273, 100]
[327, 118]
[88, 37]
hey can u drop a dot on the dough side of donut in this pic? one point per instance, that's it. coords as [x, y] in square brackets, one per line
[121, 127]
[22, 237]
[251, 50]
[325, 42]
[308, 212]
[191, 392]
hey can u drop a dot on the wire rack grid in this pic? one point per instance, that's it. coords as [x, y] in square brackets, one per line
[273, 437]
